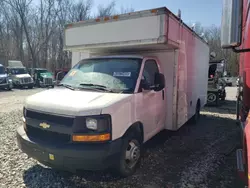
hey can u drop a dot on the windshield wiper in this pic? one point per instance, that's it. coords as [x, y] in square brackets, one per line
[66, 86]
[98, 87]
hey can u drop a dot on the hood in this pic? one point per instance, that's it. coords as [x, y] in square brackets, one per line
[3, 75]
[63, 101]
[22, 76]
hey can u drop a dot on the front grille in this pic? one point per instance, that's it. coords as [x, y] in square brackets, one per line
[48, 81]
[25, 80]
[68, 121]
[3, 80]
[47, 136]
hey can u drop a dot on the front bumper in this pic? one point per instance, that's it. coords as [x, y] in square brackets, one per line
[24, 84]
[4, 86]
[42, 84]
[71, 157]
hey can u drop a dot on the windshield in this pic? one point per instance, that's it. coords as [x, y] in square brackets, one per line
[18, 71]
[116, 74]
[2, 70]
[43, 71]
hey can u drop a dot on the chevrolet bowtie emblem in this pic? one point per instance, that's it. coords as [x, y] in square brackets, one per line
[44, 125]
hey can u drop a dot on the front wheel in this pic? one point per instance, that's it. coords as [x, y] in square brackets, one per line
[130, 155]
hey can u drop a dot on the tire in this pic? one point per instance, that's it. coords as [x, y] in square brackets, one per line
[223, 96]
[212, 97]
[130, 156]
[196, 116]
[9, 88]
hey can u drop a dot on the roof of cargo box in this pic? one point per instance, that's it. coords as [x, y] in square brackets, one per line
[76, 45]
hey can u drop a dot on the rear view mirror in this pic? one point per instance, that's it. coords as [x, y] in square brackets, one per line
[231, 25]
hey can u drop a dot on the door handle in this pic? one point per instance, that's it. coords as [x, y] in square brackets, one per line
[163, 94]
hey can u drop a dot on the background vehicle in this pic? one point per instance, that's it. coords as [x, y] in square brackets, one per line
[60, 73]
[235, 35]
[19, 75]
[5, 81]
[216, 84]
[42, 77]
[229, 80]
[124, 88]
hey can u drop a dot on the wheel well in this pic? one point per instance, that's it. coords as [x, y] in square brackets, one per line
[138, 128]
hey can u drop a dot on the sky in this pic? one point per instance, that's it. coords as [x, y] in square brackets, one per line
[207, 12]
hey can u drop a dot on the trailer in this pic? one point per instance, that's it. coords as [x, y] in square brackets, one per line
[133, 75]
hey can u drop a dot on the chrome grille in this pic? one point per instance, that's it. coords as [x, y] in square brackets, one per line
[25, 80]
[48, 81]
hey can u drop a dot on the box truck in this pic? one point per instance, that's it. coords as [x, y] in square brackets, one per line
[132, 76]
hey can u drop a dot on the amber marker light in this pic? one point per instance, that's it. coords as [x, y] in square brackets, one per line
[91, 138]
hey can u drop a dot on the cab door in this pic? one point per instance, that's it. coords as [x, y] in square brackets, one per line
[152, 103]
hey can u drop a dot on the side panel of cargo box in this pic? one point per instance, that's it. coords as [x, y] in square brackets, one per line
[192, 75]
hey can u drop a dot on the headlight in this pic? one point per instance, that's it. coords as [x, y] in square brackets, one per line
[92, 129]
[91, 124]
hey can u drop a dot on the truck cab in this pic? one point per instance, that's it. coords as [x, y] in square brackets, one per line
[19, 75]
[5, 81]
[124, 88]
[42, 77]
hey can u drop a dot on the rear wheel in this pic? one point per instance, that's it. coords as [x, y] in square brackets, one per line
[196, 116]
[130, 155]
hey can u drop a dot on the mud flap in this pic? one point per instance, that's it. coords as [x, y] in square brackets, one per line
[240, 164]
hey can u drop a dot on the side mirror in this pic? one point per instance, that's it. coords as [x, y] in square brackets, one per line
[231, 25]
[159, 82]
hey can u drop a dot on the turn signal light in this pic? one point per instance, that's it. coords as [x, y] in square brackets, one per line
[91, 138]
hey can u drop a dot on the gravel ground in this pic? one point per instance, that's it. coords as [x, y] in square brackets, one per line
[201, 155]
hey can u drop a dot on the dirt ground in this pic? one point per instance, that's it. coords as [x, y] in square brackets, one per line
[201, 155]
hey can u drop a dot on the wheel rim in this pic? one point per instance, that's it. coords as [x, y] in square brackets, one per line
[211, 97]
[132, 154]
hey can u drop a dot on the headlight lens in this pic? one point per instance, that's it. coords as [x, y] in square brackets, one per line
[91, 123]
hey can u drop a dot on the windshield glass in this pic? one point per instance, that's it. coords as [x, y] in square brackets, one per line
[117, 74]
[18, 71]
[2, 70]
[43, 71]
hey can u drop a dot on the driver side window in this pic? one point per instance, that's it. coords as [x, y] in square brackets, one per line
[150, 69]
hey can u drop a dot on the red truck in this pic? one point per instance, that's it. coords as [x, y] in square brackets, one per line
[235, 35]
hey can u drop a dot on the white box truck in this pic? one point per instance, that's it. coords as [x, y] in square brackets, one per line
[133, 75]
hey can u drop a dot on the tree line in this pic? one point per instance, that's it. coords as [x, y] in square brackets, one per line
[32, 31]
